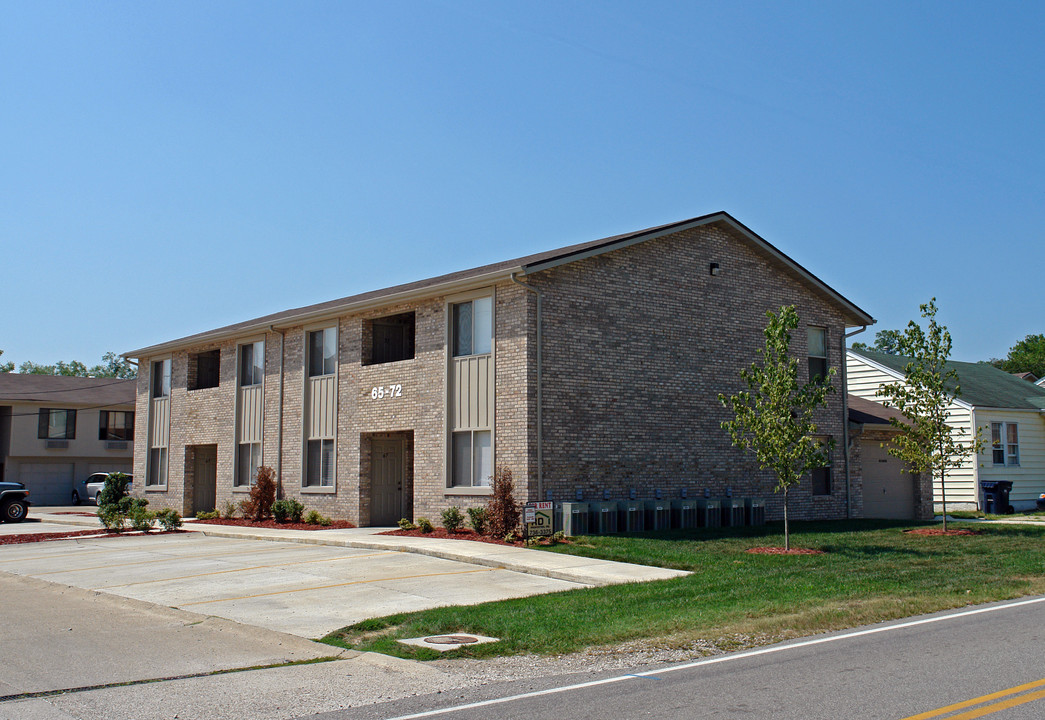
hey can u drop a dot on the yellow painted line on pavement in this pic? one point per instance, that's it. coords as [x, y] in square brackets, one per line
[337, 585]
[245, 569]
[980, 712]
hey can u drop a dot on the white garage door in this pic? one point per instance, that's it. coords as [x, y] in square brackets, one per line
[888, 490]
[48, 483]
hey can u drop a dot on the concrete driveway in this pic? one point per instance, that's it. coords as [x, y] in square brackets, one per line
[302, 589]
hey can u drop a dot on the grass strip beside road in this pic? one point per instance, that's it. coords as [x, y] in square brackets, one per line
[870, 572]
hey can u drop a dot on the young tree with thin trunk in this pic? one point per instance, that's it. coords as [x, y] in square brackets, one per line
[774, 416]
[926, 443]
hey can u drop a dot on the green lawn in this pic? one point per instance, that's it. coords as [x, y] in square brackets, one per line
[870, 571]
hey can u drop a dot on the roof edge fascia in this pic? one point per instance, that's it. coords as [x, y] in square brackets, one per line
[861, 318]
[900, 376]
[306, 318]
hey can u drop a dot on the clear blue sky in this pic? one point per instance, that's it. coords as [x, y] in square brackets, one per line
[168, 168]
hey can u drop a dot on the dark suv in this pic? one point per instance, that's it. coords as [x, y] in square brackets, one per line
[14, 502]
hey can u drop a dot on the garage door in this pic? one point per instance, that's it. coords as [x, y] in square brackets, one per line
[888, 490]
[48, 483]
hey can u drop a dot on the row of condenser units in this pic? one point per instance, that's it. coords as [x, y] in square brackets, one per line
[598, 518]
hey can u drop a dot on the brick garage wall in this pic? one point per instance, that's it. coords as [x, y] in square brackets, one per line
[639, 342]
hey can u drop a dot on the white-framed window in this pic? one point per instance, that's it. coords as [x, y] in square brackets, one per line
[161, 378]
[115, 425]
[817, 353]
[322, 352]
[252, 363]
[473, 327]
[248, 460]
[1005, 444]
[472, 458]
[319, 465]
[57, 424]
[157, 467]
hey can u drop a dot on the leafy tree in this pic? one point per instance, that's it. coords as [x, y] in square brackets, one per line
[7, 366]
[1028, 355]
[112, 366]
[774, 416]
[926, 442]
[885, 341]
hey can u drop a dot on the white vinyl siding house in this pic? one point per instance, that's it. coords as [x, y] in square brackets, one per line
[1028, 475]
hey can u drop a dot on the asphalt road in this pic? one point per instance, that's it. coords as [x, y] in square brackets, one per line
[980, 662]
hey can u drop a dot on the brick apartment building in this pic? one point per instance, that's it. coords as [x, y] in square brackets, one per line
[590, 371]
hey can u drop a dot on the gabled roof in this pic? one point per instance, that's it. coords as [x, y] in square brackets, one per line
[868, 412]
[61, 391]
[477, 277]
[982, 385]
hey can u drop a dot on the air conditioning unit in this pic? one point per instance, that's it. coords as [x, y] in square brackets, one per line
[116, 445]
[631, 515]
[57, 444]
[684, 514]
[574, 518]
[732, 512]
[658, 515]
[755, 509]
[709, 513]
[603, 517]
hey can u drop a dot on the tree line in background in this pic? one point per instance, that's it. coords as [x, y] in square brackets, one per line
[112, 366]
[1028, 355]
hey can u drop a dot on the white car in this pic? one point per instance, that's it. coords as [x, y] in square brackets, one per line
[92, 488]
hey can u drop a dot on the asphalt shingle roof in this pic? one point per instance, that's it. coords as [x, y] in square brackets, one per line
[57, 390]
[982, 385]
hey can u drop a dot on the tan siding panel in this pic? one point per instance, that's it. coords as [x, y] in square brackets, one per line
[159, 434]
[473, 393]
[322, 407]
[251, 414]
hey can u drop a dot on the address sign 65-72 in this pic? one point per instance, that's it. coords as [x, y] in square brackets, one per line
[386, 391]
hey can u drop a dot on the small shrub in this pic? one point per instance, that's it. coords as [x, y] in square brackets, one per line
[452, 518]
[263, 494]
[115, 489]
[510, 538]
[141, 519]
[324, 520]
[208, 515]
[312, 517]
[558, 537]
[281, 510]
[228, 510]
[169, 519]
[246, 509]
[405, 524]
[478, 519]
[502, 510]
[425, 524]
[112, 517]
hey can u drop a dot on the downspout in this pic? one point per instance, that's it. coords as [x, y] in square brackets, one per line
[845, 427]
[540, 370]
[279, 414]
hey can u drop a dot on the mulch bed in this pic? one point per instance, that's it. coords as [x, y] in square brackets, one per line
[74, 512]
[782, 551]
[463, 534]
[940, 531]
[239, 522]
[43, 537]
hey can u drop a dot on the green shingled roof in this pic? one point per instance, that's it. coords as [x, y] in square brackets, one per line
[982, 385]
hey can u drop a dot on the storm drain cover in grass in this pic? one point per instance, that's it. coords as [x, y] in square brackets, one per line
[442, 643]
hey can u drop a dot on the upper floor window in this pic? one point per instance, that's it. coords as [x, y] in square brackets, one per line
[391, 339]
[57, 424]
[473, 327]
[115, 425]
[322, 352]
[817, 353]
[252, 363]
[1005, 443]
[203, 371]
[161, 378]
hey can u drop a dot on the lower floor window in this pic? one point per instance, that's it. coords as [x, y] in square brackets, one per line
[1005, 443]
[822, 475]
[248, 459]
[319, 465]
[157, 467]
[472, 458]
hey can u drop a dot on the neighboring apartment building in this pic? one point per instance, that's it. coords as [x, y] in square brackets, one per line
[1009, 413]
[55, 431]
[588, 371]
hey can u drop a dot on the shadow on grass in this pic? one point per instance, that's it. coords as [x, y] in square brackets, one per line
[775, 530]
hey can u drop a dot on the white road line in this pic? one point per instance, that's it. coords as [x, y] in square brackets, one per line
[722, 659]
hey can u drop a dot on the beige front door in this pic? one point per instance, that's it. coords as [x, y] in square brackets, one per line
[386, 482]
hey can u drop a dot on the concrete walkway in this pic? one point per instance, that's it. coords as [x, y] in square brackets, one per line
[558, 566]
